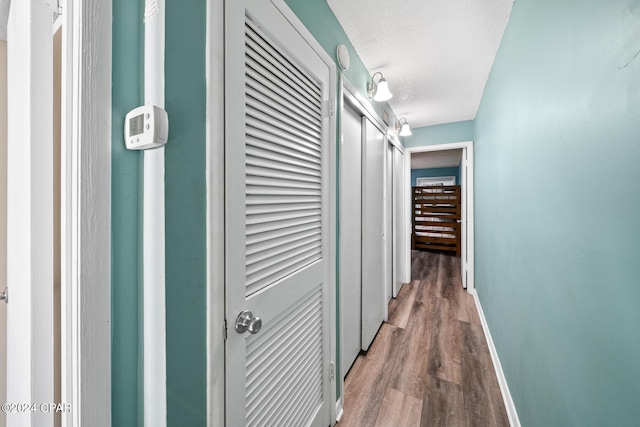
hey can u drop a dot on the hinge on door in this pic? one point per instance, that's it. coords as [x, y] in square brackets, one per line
[4, 296]
[224, 329]
[332, 107]
[332, 370]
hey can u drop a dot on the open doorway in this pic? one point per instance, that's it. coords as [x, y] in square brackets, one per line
[446, 165]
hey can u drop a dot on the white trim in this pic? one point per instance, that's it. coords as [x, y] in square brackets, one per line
[393, 140]
[426, 180]
[215, 214]
[510, 406]
[339, 410]
[361, 104]
[86, 212]
[153, 234]
[468, 209]
[30, 373]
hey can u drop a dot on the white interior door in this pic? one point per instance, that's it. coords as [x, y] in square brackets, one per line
[389, 219]
[398, 220]
[30, 377]
[373, 232]
[350, 234]
[464, 188]
[3, 225]
[277, 221]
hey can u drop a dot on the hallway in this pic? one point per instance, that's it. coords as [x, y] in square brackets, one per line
[429, 365]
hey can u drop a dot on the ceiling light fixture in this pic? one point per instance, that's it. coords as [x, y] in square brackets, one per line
[379, 90]
[405, 130]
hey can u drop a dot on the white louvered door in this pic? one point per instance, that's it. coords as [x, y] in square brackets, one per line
[277, 266]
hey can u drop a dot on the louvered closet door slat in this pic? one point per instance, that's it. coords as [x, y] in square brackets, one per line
[288, 79]
[266, 133]
[272, 123]
[280, 394]
[281, 144]
[257, 234]
[267, 86]
[282, 102]
[284, 82]
[281, 61]
[265, 106]
[263, 150]
[265, 141]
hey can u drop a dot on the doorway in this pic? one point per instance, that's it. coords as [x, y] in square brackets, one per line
[63, 167]
[466, 183]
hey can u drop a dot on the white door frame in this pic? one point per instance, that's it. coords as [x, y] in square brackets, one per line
[85, 216]
[467, 208]
[216, 323]
[30, 261]
[86, 211]
[398, 202]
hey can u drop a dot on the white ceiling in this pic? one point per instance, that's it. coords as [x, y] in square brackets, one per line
[435, 54]
[436, 159]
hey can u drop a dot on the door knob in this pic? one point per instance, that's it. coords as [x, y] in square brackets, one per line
[246, 321]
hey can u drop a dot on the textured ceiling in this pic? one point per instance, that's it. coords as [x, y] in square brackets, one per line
[436, 159]
[435, 54]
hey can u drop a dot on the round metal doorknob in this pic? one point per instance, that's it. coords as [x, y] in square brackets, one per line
[247, 322]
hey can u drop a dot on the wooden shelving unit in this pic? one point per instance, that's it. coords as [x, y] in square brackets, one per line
[437, 214]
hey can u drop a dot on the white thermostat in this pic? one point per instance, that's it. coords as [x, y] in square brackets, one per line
[146, 127]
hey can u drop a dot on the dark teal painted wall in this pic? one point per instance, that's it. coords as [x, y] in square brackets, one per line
[557, 179]
[185, 181]
[431, 172]
[126, 221]
[440, 134]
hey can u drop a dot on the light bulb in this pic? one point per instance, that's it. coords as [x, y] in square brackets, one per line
[382, 92]
[405, 130]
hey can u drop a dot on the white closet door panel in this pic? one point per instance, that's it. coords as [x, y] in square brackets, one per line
[350, 235]
[373, 230]
[277, 266]
[389, 218]
[398, 220]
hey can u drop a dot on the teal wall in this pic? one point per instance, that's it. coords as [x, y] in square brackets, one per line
[431, 172]
[126, 222]
[440, 134]
[186, 208]
[557, 149]
[185, 229]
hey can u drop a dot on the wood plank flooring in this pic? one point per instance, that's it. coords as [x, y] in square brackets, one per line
[429, 365]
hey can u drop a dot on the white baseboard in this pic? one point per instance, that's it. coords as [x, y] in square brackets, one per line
[514, 421]
[339, 409]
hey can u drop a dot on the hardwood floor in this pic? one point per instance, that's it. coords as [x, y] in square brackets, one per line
[429, 365]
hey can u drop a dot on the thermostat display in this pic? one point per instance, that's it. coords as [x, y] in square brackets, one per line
[146, 127]
[135, 124]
